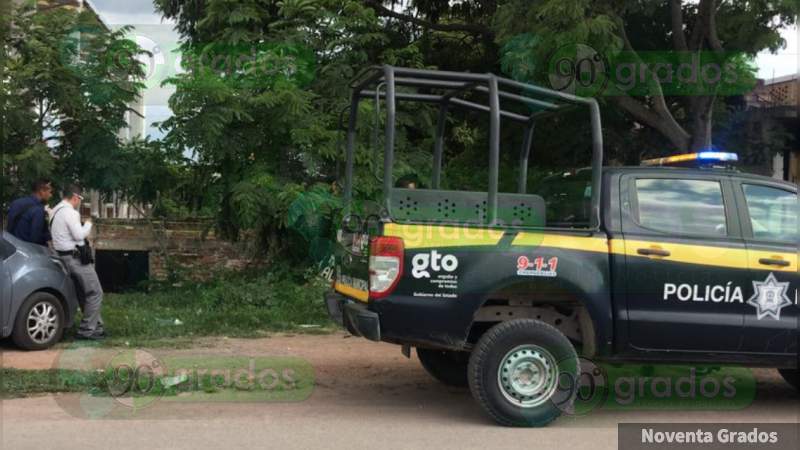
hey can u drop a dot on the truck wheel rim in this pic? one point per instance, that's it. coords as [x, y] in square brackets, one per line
[42, 322]
[528, 376]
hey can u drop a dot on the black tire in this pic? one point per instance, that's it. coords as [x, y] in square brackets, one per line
[524, 340]
[449, 367]
[35, 340]
[792, 376]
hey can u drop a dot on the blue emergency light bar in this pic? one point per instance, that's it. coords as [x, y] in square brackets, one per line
[718, 156]
[701, 158]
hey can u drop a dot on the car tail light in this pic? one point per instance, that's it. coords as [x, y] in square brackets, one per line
[385, 265]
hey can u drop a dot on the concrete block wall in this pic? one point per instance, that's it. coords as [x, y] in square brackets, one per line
[188, 246]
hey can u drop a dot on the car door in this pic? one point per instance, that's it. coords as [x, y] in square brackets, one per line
[6, 250]
[770, 227]
[685, 262]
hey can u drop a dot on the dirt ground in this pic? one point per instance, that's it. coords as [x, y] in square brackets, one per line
[366, 395]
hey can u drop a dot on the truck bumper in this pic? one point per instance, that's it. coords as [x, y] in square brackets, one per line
[353, 316]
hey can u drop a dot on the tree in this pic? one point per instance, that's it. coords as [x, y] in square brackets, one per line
[266, 83]
[452, 35]
[67, 84]
[259, 104]
[671, 26]
[727, 32]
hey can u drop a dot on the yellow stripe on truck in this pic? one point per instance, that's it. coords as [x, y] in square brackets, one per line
[581, 243]
[706, 255]
[427, 236]
[702, 255]
[437, 236]
[351, 292]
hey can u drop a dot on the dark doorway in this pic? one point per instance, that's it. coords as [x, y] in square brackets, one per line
[122, 270]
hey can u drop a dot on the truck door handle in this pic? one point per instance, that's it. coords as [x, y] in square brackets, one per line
[653, 252]
[774, 262]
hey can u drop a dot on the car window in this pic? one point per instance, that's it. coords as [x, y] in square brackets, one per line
[773, 212]
[6, 249]
[681, 206]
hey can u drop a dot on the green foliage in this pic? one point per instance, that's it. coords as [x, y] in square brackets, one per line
[235, 305]
[68, 84]
[733, 32]
[268, 144]
[256, 138]
[556, 23]
[21, 382]
[266, 134]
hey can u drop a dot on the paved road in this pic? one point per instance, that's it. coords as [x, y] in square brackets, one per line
[367, 395]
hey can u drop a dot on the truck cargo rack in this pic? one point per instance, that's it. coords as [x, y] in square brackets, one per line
[381, 82]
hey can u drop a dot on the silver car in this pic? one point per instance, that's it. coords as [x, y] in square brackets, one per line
[38, 299]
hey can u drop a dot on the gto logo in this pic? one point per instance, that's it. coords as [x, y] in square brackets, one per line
[433, 260]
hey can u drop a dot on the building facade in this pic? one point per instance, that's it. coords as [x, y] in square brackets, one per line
[778, 100]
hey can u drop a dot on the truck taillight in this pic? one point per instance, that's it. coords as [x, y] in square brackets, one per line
[385, 265]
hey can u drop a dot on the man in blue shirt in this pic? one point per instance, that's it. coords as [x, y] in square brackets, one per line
[26, 216]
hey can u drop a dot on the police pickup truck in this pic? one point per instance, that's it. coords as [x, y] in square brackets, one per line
[503, 291]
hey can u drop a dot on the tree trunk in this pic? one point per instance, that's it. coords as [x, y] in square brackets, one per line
[227, 224]
[662, 121]
[701, 115]
[701, 137]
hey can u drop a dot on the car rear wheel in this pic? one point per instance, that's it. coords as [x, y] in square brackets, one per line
[447, 366]
[39, 323]
[524, 373]
[792, 376]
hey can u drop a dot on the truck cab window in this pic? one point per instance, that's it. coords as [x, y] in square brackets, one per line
[773, 213]
[681, 206]
[568, 199]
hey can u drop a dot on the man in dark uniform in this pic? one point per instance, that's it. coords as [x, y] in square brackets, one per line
[27, 219]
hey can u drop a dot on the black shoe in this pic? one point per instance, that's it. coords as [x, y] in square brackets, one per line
[101, 334]
[91, 337]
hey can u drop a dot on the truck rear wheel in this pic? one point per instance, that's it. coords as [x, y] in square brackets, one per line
[792, 376]
[447, 366]
[524, 373]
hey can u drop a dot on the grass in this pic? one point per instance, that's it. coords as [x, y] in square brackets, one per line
[180, 378]
[18, 382]
[236, 305]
